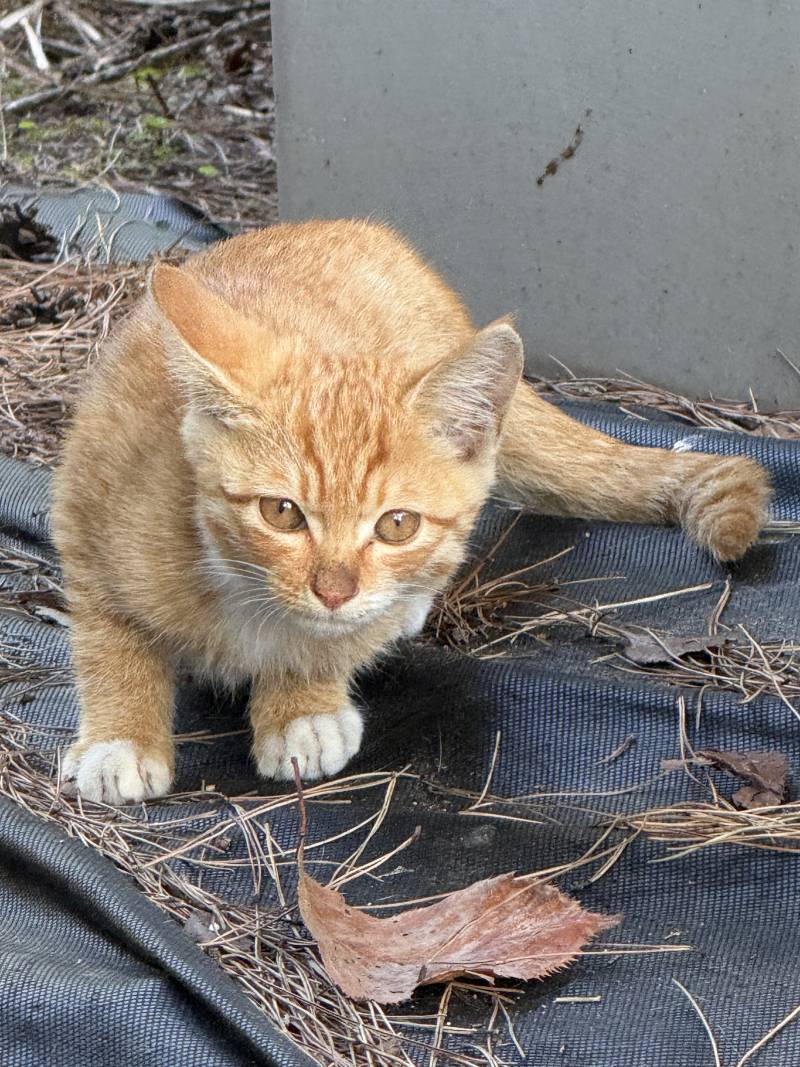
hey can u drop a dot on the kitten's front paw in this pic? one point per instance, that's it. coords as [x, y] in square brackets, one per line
[115, 772]
[725, 506]
[322, 744]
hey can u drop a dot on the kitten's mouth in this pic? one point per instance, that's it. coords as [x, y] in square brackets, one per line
[331, 623]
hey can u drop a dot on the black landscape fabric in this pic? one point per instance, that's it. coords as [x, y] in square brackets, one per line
[93, 973]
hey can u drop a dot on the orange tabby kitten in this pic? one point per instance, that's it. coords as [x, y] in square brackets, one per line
[277, 465]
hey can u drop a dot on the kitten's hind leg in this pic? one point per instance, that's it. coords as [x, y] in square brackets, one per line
[314, 721]
[558, 466]
[124, 752]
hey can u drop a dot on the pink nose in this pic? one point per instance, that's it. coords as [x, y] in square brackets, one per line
[334, 585]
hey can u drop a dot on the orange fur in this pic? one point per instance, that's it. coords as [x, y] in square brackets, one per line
[326, 364]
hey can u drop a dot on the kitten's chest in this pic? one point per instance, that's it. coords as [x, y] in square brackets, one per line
[243, 640]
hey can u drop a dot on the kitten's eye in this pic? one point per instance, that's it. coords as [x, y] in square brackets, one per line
[281, 513]
[397, 526]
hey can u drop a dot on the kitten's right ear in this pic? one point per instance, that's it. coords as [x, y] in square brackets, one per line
[465, 398]
[210, 343]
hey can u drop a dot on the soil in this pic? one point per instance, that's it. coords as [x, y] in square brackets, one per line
[140, 95]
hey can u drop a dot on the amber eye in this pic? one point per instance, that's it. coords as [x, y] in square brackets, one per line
[281, 513]
[397, 526]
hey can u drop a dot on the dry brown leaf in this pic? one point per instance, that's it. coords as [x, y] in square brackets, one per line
[647, 648]
[764, 775]
[510, 926]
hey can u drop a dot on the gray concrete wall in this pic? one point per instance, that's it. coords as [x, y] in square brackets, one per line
[666, 246]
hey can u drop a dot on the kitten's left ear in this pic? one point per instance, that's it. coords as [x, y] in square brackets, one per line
[466, 397]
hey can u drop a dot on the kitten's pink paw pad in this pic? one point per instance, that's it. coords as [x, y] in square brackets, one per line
[323, 744]
[115, 772]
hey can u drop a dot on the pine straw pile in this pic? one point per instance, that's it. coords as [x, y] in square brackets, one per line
[629, 394]
[488, 617]
[265, 950]
[175, 97]
[51, 319]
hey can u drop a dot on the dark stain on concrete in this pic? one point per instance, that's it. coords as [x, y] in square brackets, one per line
[568, 153]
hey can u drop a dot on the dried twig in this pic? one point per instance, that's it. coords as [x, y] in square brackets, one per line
[703, 1020]
[776, 1029]
[261, 948]
[14, 18]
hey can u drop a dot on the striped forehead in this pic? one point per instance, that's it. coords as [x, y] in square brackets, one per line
[344, 441]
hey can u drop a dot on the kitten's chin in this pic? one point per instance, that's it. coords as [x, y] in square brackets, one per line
[332, 625]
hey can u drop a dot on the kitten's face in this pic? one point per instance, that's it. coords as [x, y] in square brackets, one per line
[331, 488]
[336, 505]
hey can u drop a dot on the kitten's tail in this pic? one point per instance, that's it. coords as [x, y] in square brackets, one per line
[556, 465]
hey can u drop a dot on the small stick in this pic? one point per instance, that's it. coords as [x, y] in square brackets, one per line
[791, 362]
[769, 1035]
[21, 13]
[162, 103]
[301, 802]
[35, 45]
[620, 750]
[722, 603]
[84, 28]
[703, 1020]
[3, 136]
[490, 775]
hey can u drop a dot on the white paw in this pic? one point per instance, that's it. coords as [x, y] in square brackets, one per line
[416, 615]
[322, 744]
[116, 772]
